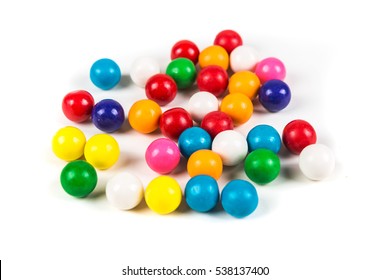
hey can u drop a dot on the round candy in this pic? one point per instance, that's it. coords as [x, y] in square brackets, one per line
[124, 191]
[238, 106]
[239, 198]
[162, 155]
[77, 105]
[214, 55]
[161, 88]
[205, 162]
[270, 68]
[245, 82]
[213, 79]
[78, 178]
[202, 103]
[298, 134]
[105, 73]
[202, 193]
[274, 95]
[216, 122]
[163, 195]
[194, 139]
[186, 49]
[243, 58]
[142, 69]
[174, 121]
[183, 71]
[231, 146]
[228, 39]
[68, 143]
[102, 151]
[108, 115]
[264, 136]
[262, 166]
[144, 116]
[317, 161]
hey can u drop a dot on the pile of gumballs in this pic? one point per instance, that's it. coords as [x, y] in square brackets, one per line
[204, 134]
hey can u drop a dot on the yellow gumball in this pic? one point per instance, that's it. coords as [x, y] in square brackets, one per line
[163, 195]
[68, 143]
[238, 106]
[102, 151]
[245, 82]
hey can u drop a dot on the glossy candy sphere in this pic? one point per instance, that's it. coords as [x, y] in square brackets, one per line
[68, 143]
[162, 155]
[102, 151]
[228, 39]
[239, 198]
[245, 82]
[205, 162]
[108, 115]
[124, 191]
[174, 121]
[105, 73]
[77, 105]
[144, 116]
[186, 49]
[231, 146]
[270, 68]
[163, 195]
[316, 161]
[78, 178]
[183, 71]
[298, 134]
[161, 88]
[194, 139]
[238, 106]
[202, 193]
[262, 166]
[202, 103]
[213, 79]
[142, 69]
[274, 95]
[243, 58]
[264, 136]
[216, 122]
[214, 55]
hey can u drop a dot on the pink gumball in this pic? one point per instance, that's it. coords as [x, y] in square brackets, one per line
[270, 68]
[162, 155]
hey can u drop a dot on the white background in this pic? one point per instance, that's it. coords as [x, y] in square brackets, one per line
[337, 59]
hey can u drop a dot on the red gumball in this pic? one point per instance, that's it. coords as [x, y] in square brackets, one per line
[161, 88]
[228, 39]
[298, 134]
[77, 105]
[216, 122]
[213, 79]
[174, 121]
[187, 49]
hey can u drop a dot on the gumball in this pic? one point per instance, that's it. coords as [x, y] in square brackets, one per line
[270, 68]
[77, 105]
[245, 82]
[162, 155]
[216, 122]
[228, 39]
[68, 143]
[298, 134]
[161, 88]
[202, 193]
[186, 49]
[202, 103]
[102, 151]
[108, 115]
[124, 191]
[163, 195]
[105, 73]
[238, 106]
[183, 71]
[214, 55]
[264, 137]
[174, 121]
[262, 166]
[239, 198]
[316, 161]
[243, 58]
[78, 178]
[231, 146]
[213, 79]
[144, 116]
[142, 69]
[205, 162]
[274, 95]
[194, 139]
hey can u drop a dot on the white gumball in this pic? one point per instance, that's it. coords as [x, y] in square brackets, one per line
[231, 146]
[202, 103]
[243, 58]
[142, 69]
[316, 161]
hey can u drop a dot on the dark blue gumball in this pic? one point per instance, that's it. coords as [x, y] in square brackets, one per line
[108, 115]
[274, 95]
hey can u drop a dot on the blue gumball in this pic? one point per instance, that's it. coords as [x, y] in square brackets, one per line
[194, 139]
[202, 193]
[264, 137]
[108, 115]
[105, 73]
[274, 95]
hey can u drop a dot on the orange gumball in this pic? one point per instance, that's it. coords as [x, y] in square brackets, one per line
[205, 162]
[238, 106]
[144, 116]
[214, 55]
[245, 82]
